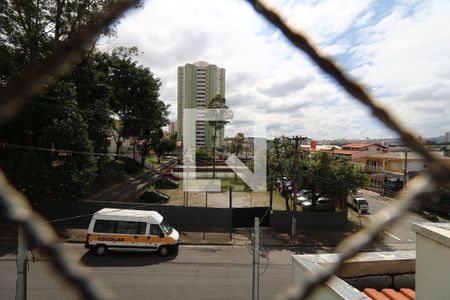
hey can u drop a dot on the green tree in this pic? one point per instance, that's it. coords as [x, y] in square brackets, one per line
[165, 146]
[335, 179]
[202, 154]
[67, 174]
[34, 27]
[218, 102]
[135, 101]
[92, 81]
[317, 172]
[238, 143]
[280, 161]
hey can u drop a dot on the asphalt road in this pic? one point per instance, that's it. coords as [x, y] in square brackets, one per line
[400, 233]
[196, 272]
[127, 191]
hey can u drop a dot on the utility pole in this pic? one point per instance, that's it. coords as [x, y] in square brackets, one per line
[255, 293]
[298, 140]
[22, 248]
[405, 169]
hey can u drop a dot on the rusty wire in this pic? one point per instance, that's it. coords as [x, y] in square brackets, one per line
[34, 77]
[15, 207]
[348, 248]
[439, 173]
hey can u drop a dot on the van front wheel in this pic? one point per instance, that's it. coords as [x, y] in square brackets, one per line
[100, 250]
[163, 250]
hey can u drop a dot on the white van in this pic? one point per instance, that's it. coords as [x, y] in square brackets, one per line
[130, 230]
[360, 204]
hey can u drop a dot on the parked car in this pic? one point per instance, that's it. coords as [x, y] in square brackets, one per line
[360, 204]
[304, 195]
[171, 176]
[166, 183]
[153, 197]
[322, 204]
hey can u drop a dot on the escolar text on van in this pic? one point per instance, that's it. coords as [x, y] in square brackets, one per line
[130, 230]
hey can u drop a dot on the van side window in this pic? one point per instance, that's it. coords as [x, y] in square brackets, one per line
[105, 226]
[129, 227]
[155, 229]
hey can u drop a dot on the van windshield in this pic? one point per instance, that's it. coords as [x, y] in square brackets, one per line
[166, 227]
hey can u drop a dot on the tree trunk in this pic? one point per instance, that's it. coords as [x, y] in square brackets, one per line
[287, 203]
[270, 198]
[214, 153]
[117, 151]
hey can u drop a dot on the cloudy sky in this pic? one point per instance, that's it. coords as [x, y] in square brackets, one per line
[400, 50]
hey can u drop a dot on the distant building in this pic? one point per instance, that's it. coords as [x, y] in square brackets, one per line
[198, 83]
[314, 147]
[172, 127]
[447, 137]
[389, 169]
[356, 152]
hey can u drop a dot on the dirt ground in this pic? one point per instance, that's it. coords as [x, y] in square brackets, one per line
[240, 198]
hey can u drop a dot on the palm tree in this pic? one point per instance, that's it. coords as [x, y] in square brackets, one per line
[238, 142]
[218, 102]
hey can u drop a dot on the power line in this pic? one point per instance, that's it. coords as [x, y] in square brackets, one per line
[15, 146]
[70, 107]
[88, 215]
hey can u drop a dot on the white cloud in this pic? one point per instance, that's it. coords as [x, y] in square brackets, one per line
[402, 56]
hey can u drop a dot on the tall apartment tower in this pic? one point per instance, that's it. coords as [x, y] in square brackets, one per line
[198, 83]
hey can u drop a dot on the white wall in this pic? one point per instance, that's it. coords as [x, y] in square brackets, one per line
[432, 265]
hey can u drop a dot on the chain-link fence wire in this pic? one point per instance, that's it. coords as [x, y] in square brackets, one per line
[15, 207]
[438, 173]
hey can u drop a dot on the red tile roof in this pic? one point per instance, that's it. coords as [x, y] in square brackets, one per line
[345, 152]
[409, 293]
[361, 145]
[390, 294]
[375, 295]
[394, 295]
[356, 145]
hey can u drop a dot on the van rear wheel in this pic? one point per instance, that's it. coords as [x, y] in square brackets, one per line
[163, 250]
[100, 250]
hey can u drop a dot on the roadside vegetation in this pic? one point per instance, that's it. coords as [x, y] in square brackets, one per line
[112, 171]
[291, 170]
[50, 149]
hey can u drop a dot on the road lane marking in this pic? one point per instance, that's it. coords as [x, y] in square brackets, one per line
[390, 234]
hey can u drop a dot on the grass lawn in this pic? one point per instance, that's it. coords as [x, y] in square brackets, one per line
[221, 199]
[111, 171]
[154, 160]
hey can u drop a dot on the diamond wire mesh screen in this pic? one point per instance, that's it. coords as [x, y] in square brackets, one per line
[15, 207]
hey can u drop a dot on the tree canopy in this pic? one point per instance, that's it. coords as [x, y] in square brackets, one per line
[51, 147]
[316, 172]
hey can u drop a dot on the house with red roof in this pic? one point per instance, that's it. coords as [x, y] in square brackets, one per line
[357, 152]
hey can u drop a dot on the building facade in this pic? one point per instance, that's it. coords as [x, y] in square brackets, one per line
[389, 168]
[198, 83]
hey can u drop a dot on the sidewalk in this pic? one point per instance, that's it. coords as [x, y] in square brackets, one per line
[241, 237]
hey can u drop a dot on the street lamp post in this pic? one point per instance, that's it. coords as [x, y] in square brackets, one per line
[298, 140]
[405, 169]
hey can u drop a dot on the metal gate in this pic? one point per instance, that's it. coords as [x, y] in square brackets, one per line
[245, 216]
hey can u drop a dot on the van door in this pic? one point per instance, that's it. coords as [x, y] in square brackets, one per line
[130, 234]
[156, 237]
